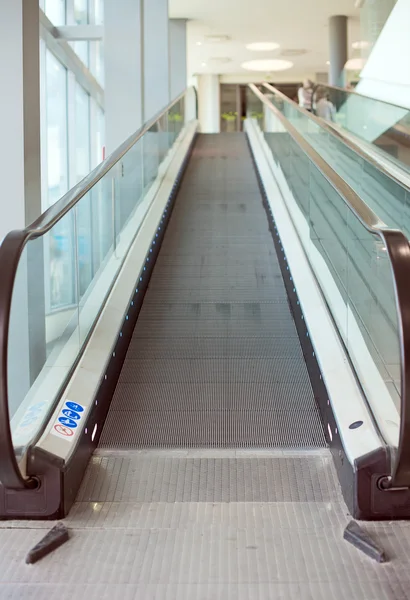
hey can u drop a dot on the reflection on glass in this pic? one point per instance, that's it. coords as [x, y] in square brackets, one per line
[61, 263]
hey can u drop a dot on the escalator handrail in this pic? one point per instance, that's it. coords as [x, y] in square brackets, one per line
[334, 132]
[398, 251]
[354, 93]
[11, 250]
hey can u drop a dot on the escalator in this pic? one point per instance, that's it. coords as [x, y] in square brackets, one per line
[243, 299]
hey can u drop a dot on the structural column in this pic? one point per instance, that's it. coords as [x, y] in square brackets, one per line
[20, 201]
[156, 57]
[177, 57]
[209, 103]
[20, 174]
[337, 49]
[123, 38]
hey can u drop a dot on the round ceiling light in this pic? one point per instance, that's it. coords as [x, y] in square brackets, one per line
[360, 45]
[263, 46]
[267, 65]
[355, 64]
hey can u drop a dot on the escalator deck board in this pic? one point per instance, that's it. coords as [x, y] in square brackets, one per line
[215, 361]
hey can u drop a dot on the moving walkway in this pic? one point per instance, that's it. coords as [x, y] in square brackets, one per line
[227, 291]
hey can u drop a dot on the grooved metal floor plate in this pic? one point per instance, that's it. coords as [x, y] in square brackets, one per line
[206, 525]
[215, 360]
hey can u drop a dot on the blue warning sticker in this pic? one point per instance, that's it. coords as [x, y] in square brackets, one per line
[74, 406]
[68, 420]
[71, 414]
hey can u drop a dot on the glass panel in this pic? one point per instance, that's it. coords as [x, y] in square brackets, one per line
[43, 344]
[56, 107]
[151, 155]
[59, 253]
[349, 262]
[64, 277]
[383, 126]
[83, 214]
[373, 339]
[382, 194]
[81, 17]
[176, 120]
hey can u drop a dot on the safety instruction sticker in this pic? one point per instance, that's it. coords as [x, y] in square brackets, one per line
[68, 421]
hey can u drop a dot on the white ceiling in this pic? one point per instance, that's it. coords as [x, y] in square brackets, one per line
[294, 24]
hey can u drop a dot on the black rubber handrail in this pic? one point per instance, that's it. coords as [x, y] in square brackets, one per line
[11, 251]
[398, 251]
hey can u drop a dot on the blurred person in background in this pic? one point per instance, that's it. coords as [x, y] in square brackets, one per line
[305, 95]
[324, 108]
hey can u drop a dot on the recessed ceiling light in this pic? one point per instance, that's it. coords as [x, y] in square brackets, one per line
[360, 45]
[328, 62]
[267, 65]
[263, 46]
[203, 64]
[355, 64]
[199, 43]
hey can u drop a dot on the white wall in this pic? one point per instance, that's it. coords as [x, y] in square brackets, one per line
[156, 87]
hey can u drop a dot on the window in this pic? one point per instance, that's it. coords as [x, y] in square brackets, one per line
[55, 11]
[98, 140]
[56, 127]
[82, 133]
[83, 167]
[98, 16]
[97, 61]
[81, 17]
